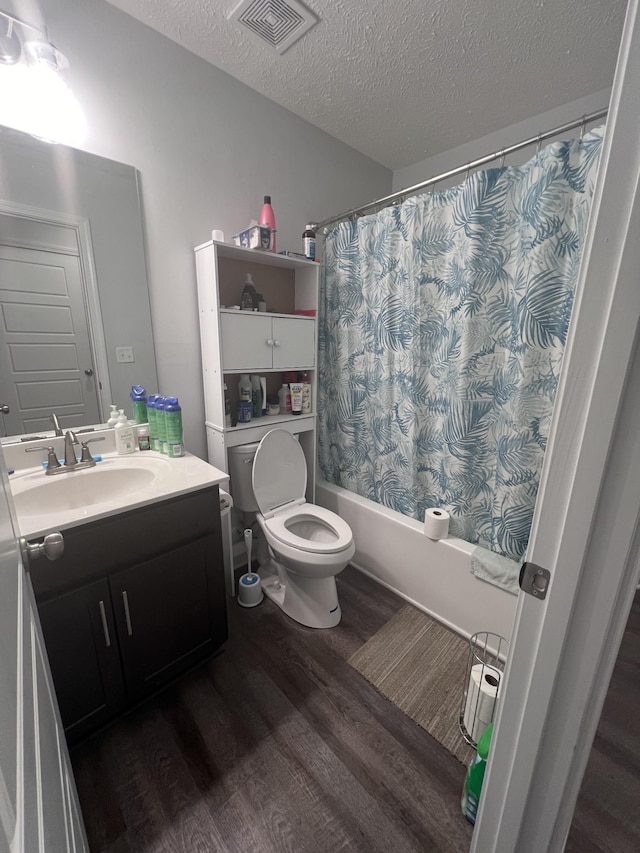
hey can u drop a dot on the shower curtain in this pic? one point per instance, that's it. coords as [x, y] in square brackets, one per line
[442, 327]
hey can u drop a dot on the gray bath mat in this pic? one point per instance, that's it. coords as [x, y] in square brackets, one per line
[420, 666]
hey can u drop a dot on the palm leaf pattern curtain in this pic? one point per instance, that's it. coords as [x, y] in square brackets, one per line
[442, 327]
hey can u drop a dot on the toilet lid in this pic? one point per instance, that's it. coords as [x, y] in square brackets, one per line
[279, 471]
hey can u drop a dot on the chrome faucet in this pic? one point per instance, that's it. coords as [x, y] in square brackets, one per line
[69, 453]
[56, 424]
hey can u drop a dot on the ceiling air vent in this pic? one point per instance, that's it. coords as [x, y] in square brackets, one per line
[278, 23]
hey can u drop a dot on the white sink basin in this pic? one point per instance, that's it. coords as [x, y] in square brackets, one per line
[88, 486]
[118, 483]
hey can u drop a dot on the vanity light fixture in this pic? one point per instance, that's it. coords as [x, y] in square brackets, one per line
[33, 96]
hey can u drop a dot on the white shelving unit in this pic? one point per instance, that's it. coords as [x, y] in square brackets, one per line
[265, 343]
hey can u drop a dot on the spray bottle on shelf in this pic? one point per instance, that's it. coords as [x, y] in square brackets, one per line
[268, 219]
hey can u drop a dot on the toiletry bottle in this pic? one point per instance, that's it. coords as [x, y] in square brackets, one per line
[113, 417]
[296, 397]
[256, 396]
[144, 442]
[139, 404]
[306, 393]
[244, 388]
[160, 443]
[268, 219]
[124, 438]
[262, 305]
[284, 396]
[309, 243]
[249, 298]
[151, 417]
[227, 407]
[173, 424]
[475, 776]
[263, 388]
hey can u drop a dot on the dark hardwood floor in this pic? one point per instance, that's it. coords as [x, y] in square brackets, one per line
[275, 745]
[607, 816]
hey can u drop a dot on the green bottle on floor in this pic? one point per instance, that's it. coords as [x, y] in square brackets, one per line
[475, 776]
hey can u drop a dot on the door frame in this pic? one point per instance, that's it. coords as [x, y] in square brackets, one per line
[587, 517]
[89, 280]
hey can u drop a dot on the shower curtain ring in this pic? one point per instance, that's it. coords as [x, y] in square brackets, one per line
[538, 145]
[502, 158]
[583, 126]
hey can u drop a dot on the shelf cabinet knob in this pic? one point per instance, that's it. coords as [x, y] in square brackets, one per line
[269, 342]
[276, 343]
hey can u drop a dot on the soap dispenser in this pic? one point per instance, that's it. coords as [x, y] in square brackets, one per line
[249, 298]
[123, 432]
[113, 416]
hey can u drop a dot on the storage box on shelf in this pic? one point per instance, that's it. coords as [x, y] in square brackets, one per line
[266, 343]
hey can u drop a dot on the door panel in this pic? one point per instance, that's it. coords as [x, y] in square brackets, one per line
[244, 341]
[38, 801]
[44, 341]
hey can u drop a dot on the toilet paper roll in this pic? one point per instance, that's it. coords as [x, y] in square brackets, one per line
[482, 694]
[436, 523]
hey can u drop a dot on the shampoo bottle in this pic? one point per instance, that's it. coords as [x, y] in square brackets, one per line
[173, 426]
[268, 219]
[139, 404]
[160, 441]
[151, 418]
[124, 438]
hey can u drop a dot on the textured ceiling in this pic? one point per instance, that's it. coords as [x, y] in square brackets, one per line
[401, 80]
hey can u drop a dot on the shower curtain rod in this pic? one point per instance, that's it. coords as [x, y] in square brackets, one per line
[473, 164]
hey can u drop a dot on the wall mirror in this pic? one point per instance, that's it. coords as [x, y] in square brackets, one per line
[75, 322]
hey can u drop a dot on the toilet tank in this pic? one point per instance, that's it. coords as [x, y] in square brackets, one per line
[240, 466]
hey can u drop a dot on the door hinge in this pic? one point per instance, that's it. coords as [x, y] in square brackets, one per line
[534, 580]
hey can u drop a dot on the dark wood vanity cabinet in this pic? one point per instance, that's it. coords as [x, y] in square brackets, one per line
[79, 632]
[135, 600]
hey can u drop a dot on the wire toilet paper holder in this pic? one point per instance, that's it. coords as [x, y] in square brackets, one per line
[487, 656]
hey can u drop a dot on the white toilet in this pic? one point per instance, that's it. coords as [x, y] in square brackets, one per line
[308, 545]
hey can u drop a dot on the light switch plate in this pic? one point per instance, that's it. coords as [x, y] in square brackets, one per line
[124, 355]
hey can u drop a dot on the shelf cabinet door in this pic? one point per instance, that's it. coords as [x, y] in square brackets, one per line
[82, 647]
[294, 342]
[246, 341]
[170, 613]
[253, 342]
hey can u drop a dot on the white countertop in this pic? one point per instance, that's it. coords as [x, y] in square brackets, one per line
[74, 498]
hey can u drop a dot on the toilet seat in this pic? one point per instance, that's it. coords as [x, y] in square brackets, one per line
[279, 526]
[279, 479]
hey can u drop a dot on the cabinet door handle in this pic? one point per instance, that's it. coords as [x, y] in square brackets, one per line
[105, 627]
[127, 615]
[276, 343]
[269, 342]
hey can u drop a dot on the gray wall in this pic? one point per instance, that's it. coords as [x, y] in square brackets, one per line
[439, 163]
[208, 148]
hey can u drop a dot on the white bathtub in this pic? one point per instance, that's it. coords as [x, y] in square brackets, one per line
[434, 576]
